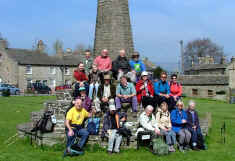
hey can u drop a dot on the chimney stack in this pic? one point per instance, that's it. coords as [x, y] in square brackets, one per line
[233, 59]
[40, 46]
[68, 51]
[3, 44]
[223, 60]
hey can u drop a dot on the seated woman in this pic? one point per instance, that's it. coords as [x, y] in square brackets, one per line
[111, 125]
[145, 91]
[194, 127]
[175, 90]
[94, 81]
[179, 122]
[164, 123]
[86, 101]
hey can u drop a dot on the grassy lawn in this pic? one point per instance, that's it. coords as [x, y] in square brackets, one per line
[15, 110]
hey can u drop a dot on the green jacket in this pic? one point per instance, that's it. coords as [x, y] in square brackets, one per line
[88, 64]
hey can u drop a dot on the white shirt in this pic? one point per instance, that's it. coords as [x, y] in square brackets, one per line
[148, 123]
[107, 92]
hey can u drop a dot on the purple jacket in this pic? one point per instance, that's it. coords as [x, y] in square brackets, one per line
[190, 119]
[86, 103]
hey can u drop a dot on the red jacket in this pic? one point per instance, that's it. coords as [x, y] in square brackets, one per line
[80, 76]
[175, 88]
[142, 92]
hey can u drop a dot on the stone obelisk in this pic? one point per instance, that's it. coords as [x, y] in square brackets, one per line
[113, 28]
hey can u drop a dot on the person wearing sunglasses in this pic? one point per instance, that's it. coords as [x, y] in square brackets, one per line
[175, 90]
[137, 65]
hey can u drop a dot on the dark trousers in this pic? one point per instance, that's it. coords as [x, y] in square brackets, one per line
[170, 101]
[147, 100]
[83, 133]
[197, 137]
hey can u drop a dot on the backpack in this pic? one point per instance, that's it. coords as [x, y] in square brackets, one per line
[46, 123]
[160, 147]
[93, 126]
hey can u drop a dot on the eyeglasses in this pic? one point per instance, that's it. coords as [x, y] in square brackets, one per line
[173, 78]
[163, 77]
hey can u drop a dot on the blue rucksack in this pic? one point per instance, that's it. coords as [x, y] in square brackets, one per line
[93, 126]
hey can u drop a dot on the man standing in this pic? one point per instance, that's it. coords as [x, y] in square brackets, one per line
[74, 124]
[126, 93]
[87, 61]
[121, 65]
[103, 62]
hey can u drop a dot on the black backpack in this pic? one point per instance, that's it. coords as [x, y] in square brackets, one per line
[45, 124]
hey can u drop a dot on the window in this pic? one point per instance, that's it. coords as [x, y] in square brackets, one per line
[52, 82]
[195, 92]
[44, 82]
[29, 82]
[52, 70]
[210, 93]
[67, 82]
[28, 69]
[66, 71]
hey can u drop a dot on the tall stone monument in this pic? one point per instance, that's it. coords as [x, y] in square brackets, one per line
[113, 28]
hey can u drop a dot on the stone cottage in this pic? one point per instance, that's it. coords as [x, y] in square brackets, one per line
[209, 80]
[20, 67]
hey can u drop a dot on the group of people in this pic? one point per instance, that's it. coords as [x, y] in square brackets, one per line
[103, 86]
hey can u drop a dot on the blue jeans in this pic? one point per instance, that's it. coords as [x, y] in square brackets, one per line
[170, 137]
[91, 88]
[83, 133]
[114, 138]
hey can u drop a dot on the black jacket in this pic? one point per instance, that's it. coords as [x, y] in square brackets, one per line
[190, 119]
[121, 63]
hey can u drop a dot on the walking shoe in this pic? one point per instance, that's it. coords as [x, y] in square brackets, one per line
[171, 149]
[187, 147]
[181, 148]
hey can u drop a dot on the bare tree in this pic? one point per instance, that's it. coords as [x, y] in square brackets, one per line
[79, 49]
[201, 48]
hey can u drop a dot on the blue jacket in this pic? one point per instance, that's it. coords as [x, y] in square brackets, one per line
[176, 119]
[137, 66]
[160, 87]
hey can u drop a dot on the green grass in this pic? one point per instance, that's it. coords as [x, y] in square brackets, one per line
[15, 110]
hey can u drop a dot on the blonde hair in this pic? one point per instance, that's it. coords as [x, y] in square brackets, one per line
[179, 102]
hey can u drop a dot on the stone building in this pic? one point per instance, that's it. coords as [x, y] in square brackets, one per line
[209, 80]
[20, 67]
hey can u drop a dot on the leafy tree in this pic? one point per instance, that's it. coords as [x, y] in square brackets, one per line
[201, 48]
[157, 72]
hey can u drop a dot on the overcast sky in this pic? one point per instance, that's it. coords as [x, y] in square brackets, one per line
[158, 25]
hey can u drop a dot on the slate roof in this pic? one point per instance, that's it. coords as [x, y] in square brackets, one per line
[203, 80]
[207, 67]
[30, 57]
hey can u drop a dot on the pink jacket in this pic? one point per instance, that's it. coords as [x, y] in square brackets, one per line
[176, 89]
[103, 64]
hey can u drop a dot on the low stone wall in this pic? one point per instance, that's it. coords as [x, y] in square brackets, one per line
[59, 107]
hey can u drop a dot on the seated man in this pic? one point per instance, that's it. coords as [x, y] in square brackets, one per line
[145, 91]
[179, 122]
[175, 89]
[74, 124]
[80, 80]
[148, 122]
[126, 93]
[194, 127]
[106, 92]
[162, 91]
[111, 125]
[86, 101]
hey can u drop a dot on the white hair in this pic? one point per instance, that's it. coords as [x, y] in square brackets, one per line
[149, 108]
[191, 102]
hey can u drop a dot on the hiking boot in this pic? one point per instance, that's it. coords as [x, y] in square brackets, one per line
[195, 148]
[76, 148]
[187, 147]
[181, 148]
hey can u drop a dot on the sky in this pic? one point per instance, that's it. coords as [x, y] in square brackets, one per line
[157, 25]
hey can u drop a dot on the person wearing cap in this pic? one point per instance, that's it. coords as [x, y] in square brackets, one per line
[86, 101]
[145, 91]
[106, 92]
[104, 62]
[136, 64]
[121, 65]
[111, 125]
[80, 80]
[126, 93]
